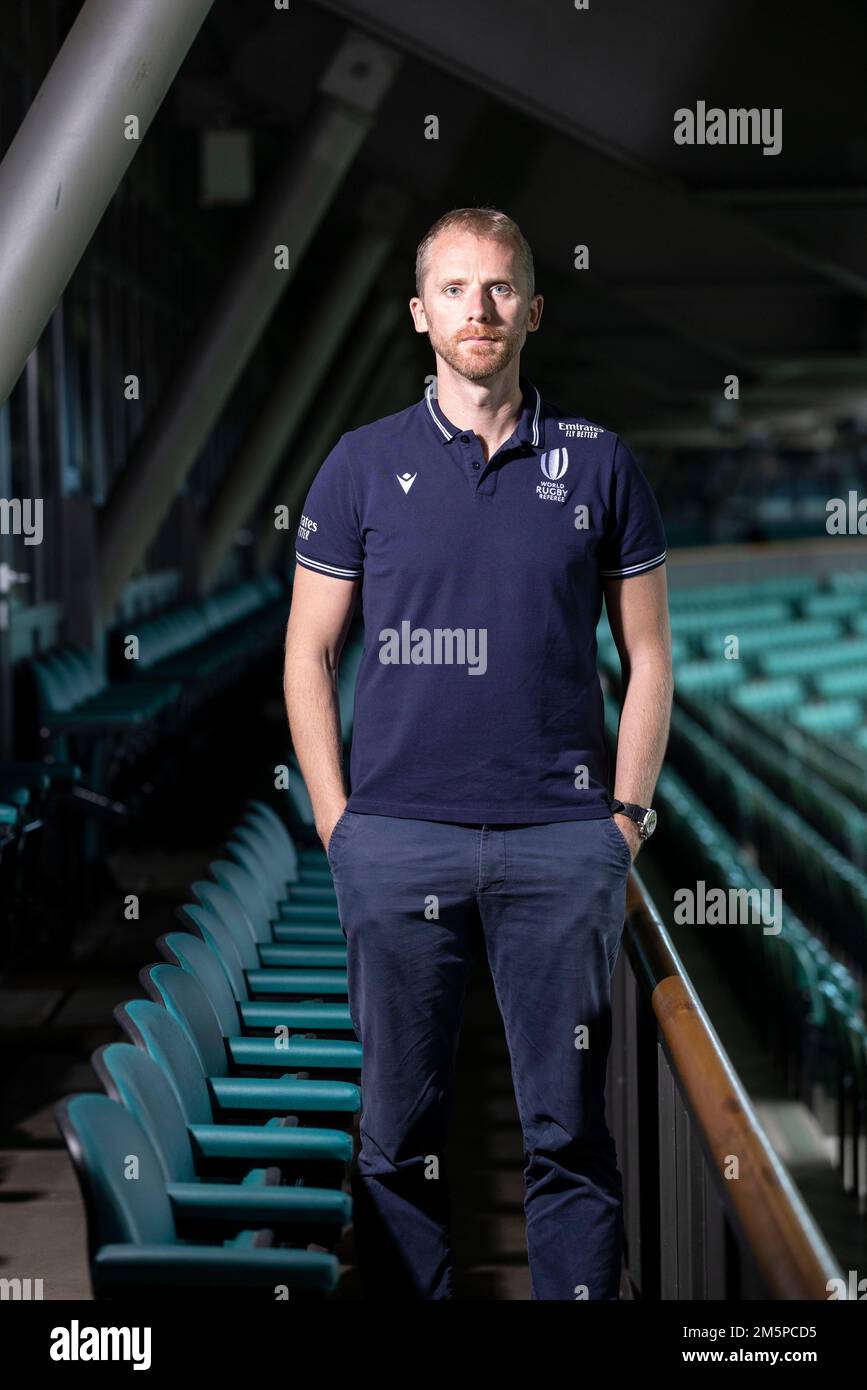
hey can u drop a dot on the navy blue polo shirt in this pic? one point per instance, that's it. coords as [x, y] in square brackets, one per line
[477, 697]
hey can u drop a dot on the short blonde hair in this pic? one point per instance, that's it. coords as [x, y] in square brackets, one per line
[489, 222]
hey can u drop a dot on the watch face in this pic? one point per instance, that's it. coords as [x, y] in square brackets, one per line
[649, 824]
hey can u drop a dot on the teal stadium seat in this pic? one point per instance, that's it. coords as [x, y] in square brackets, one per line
[150, 1025]
[235, 926]
[133, 1243]
[182, 995]
[211, 1209]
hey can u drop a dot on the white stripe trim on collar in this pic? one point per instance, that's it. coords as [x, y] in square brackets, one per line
[436, 419]
[438, 422]
[536, 415]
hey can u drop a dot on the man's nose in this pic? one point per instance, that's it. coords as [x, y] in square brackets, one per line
[478, 307]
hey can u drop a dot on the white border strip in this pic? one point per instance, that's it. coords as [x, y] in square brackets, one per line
[327, 569]
[634, 569]
[436, 419]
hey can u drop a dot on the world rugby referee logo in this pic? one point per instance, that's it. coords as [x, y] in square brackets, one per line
[553, 464]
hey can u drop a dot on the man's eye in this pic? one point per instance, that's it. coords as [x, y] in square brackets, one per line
[507, 288]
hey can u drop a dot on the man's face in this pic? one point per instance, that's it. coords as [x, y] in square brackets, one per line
[476, 307]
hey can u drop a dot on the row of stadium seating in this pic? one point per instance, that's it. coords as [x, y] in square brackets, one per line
[807, 1005]
[828, 890]
[774, 740]
[841, 765]
[792, 587]
[779, 625]
[239, 1154]
[108, 746]
[827, 808]
[183, 654]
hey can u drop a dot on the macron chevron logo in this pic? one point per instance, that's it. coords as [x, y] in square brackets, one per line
[406, 480]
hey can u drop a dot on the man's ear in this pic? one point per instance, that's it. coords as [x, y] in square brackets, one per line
[419, 317]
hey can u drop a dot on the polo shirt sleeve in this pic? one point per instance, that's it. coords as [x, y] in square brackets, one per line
[329, 534]
[634, 540]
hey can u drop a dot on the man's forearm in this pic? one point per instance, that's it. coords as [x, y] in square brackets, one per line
[313, 709]
[643, 732]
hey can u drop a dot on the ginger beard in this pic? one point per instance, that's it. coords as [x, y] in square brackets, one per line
[478, 361]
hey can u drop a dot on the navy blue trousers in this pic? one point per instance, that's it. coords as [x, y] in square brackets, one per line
[550, 902]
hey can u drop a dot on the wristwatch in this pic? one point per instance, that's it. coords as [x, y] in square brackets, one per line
[644, 816]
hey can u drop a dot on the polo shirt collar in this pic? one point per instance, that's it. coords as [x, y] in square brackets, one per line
[529, 428]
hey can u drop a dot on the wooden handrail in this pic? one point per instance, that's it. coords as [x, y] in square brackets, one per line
[788, 1247]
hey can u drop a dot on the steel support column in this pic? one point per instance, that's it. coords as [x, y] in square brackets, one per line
[295, 207]
[293, 484]
[72, 150]
[318, 347]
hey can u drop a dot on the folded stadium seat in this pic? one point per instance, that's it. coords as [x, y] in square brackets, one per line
[319, 947]
[833, 890]
[830, 717]
[206, 645]
[206, 931]
[299, 808]
[191, 953]
[848, 579]
[754, 642]
[228, 934]
[784, 978]
[789, 587]
[769, 696]
[849, 681]
[839, 975]
[312, 860]
[90, 685]
[850, 1035]
[254, 848]
[695, 818]
[291, 920]
[824, 760]
[310, 865]
[296, 1214]
[133, 1243]
[722, 783]
[77, 719]
[222, 1150]
[832, 605]
[824, 807]
[708, 677]
[185, 999]
[309, 877]
[800, 661]
[17, 799]
[151, 1026]
[798, 983]
[696, 622]
[277, 845]
[76, 693]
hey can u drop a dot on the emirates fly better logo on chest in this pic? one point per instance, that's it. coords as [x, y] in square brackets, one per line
[553, 464]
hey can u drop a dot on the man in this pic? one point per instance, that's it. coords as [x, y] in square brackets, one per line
[486, 524]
